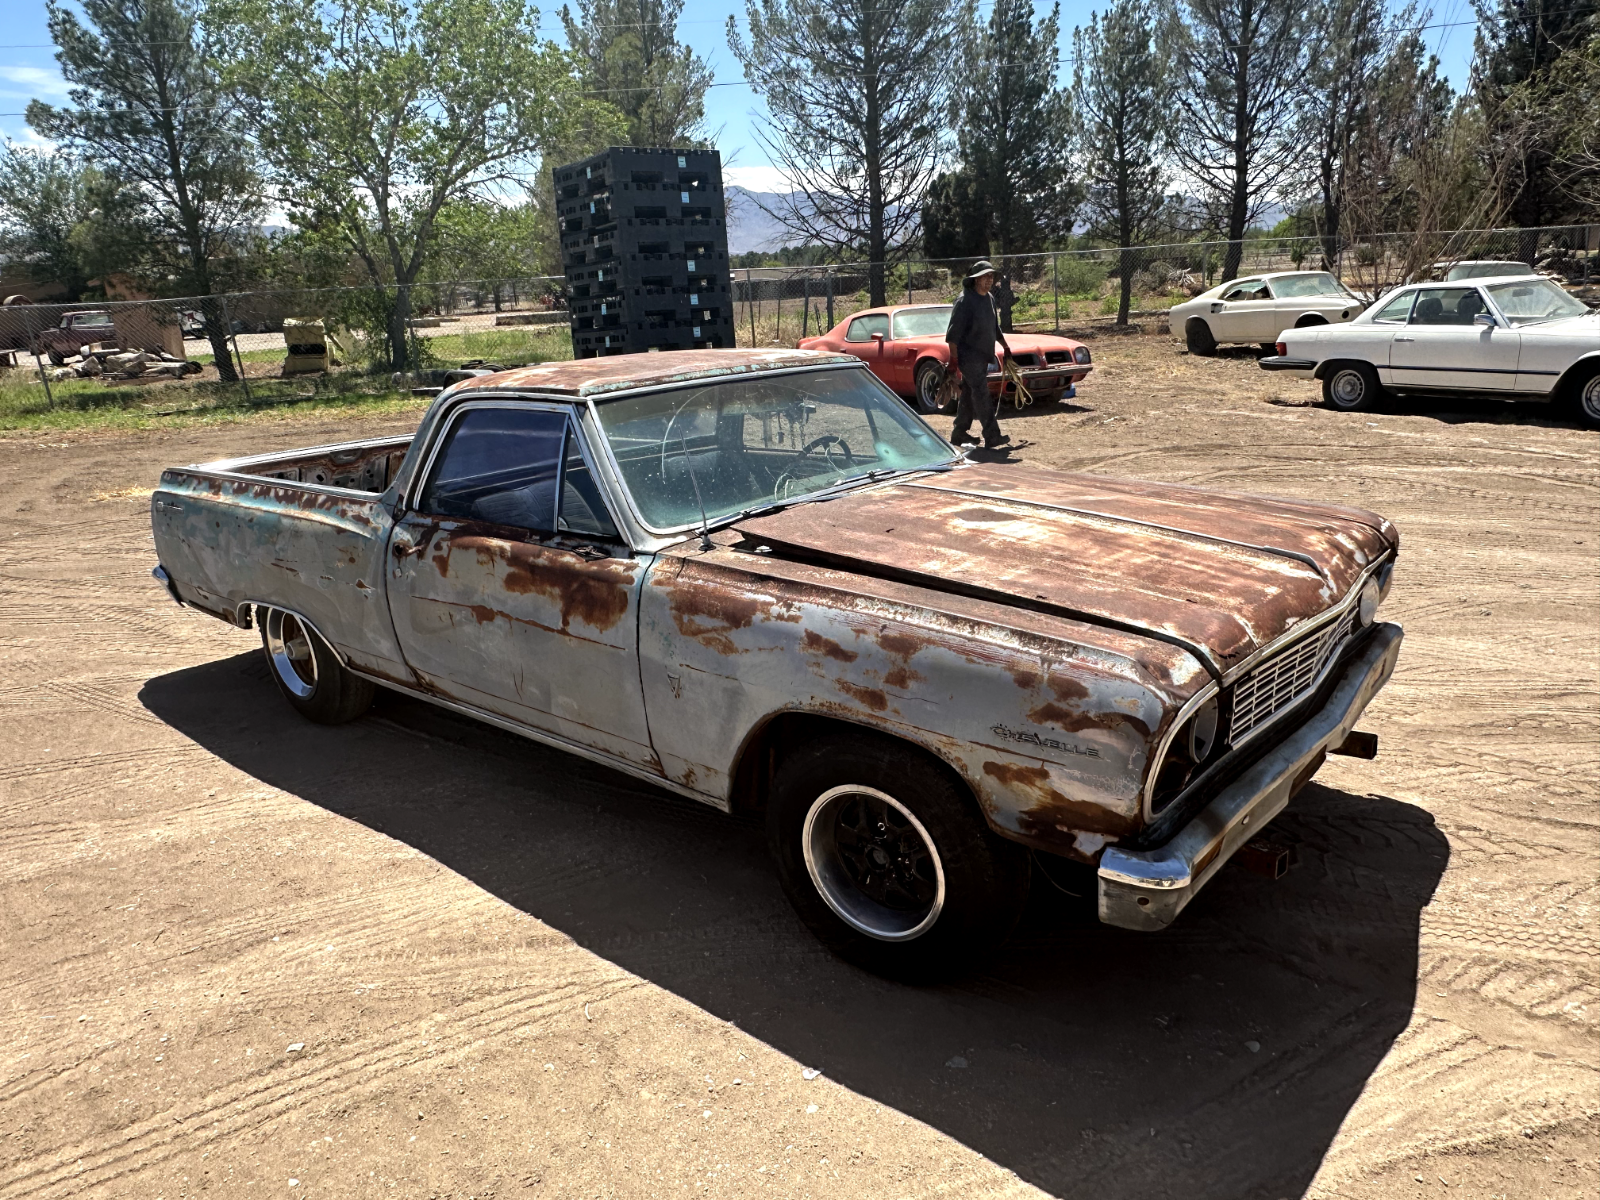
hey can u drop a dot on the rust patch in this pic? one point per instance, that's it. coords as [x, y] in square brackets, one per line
[1050, 813]
[873, 698]
[1072, 719]
[1068, 689]
[900, 645]
[1024, 678]
[484, 614]
[901, 678]
[709, 611]
[814, 643]
[596, 593]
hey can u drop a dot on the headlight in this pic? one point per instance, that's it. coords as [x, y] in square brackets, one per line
[1367, 606]
[1200, 735]
[1081, 356]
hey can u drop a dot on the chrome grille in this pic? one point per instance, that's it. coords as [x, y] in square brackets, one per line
[1285, 677]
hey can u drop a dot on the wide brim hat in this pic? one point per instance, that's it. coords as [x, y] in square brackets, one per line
[982, 267]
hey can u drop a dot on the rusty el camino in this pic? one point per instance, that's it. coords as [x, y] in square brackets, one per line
[757, 579]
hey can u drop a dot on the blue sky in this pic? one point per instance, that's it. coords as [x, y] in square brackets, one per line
[28, 70]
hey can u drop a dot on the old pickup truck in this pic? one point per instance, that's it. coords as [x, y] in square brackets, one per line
[758, 579]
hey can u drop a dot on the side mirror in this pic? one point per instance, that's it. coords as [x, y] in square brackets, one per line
[1485, 319]
[877, 337]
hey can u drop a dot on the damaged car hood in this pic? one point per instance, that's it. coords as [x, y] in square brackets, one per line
[1217, 573]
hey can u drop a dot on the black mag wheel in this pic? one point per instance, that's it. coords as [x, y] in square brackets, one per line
[873, 862]
[886, 857]
[929, 378]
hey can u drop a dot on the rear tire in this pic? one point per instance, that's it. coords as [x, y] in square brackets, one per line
[1197, 336]
[1352, 387]
[308, 672]
[886, 858]
[929, 378]
[1586, 397]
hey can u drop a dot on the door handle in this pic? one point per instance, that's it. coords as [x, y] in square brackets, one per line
[406, 549]
[1399, 338]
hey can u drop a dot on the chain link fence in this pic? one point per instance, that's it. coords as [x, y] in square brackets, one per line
[291, 345]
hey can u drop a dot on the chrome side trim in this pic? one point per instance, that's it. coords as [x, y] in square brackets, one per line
[1147, 889]
[554, 741]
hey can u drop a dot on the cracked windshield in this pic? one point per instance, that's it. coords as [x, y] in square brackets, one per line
[740, 444]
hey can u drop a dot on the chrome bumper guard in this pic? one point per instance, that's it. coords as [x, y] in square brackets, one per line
[1278, 362]
[1147, 889]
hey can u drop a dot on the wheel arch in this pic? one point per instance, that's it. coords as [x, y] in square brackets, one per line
[1308, 319]
[1329, 364]
[245, 610]
[764, 747]
[1579, 370]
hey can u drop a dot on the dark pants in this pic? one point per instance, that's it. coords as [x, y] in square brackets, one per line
[976, 402]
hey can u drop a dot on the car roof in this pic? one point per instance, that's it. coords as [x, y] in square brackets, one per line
[583, 378]
[1475, 280]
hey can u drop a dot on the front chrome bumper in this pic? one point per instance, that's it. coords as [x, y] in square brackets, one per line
[1147, 889]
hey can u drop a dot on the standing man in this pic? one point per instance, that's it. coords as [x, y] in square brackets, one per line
[974, 329]
[1004, 300]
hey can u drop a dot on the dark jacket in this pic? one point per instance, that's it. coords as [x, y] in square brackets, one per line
[974, 327]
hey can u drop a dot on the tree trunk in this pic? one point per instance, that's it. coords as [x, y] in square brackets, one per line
[877, 251]
[400, 329]
[1239, 200]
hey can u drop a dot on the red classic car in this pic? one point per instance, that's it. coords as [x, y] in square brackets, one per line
[904, 346]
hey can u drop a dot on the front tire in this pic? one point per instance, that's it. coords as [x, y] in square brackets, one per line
[1198, 337]
[1352, 387]
[308, 672]
[886, 858]
[929, 378]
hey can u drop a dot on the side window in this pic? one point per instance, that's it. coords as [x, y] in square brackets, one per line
[862, 328]
[517, 467]
[1446, 306]
[1249, 289]
[501, 465]
[582, 509]
[1397, 309]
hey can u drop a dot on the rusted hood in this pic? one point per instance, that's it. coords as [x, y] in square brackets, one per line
[1222, 572]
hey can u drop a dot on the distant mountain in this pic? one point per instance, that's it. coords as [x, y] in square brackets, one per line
[751, 229]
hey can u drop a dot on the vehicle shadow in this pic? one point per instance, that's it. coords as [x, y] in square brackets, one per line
[1216, 1059]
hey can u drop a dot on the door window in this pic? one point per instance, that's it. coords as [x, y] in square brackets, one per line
[1397, 309]
[862, 328]
[1248, 289]
[1446, 306]
[519, 467]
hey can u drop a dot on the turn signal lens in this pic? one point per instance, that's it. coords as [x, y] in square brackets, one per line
[1367, 606]
[1282, 349]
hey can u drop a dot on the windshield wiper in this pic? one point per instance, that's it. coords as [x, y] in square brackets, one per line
[827, 493]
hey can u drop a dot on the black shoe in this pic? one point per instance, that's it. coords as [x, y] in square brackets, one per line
[1003, 442]
[963, 439]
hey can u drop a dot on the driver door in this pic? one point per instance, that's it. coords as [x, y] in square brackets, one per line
[1245, 312]
[512, 591]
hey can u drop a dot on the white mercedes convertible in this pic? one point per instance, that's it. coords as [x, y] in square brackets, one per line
[1521, 337]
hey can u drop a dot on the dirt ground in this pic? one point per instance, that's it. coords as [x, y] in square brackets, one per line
[247, 956]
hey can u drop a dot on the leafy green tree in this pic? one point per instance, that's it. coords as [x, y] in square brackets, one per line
[1520, 65]
[1239, 66]
[66, 222]
[373, 115]
[1122, 83]
[629, 54]
[1015, 128]
[954, 224]
[858, 91]
[487, 243]
[146, 97]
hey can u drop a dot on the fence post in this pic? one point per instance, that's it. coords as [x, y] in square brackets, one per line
[49, 396]
[805, 312]
[750, 303]
[830, 298]
[233, 338]
[909, 268]
[1055, 274]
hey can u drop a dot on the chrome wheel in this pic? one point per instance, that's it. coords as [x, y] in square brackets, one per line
[1349, 388]
[289, 649]
[873, 863]
[930, 378]
[1590, 399]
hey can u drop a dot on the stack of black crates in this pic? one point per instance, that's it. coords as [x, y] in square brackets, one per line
[644, 245]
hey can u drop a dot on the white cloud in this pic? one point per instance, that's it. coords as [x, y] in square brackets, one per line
[40, 81]
[757, 179]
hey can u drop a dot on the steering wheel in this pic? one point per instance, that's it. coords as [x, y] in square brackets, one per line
[825, 443]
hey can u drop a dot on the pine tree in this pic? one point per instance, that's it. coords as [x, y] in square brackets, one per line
[629, 55]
